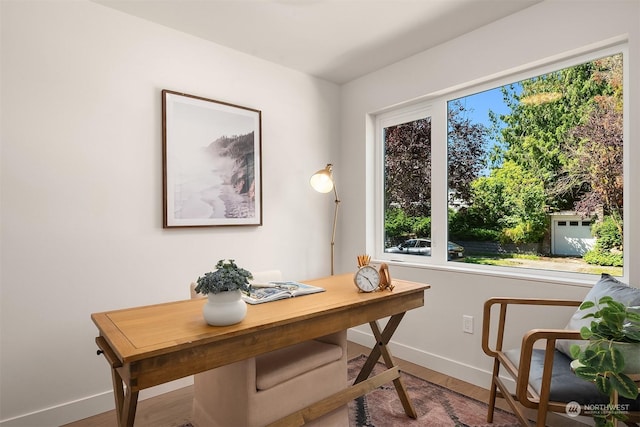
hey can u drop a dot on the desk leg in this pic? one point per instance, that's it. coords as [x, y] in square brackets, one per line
[118, 393]
[125, 399]
[128, 410]
[381, 349]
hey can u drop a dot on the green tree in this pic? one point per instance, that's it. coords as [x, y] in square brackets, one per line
[396, 224]
[511, 199]
[608, 247]
[597, 160]
[408, 160]
[407, 164]
[422, 226]
[465, 150]
[544, 110]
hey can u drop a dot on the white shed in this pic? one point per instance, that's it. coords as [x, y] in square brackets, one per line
[570, 234]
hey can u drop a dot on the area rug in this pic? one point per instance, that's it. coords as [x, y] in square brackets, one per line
[436, 405]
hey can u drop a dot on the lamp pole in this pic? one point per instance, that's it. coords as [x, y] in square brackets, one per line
[335, 222]
[322, 181]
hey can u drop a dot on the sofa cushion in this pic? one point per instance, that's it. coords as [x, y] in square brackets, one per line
[607, 285]
[281, 365]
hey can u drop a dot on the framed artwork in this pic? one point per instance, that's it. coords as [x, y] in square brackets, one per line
[211, 152]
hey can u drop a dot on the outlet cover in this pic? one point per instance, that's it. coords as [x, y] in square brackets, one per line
[467, 324]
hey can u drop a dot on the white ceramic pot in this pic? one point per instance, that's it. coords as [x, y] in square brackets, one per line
[224, 308]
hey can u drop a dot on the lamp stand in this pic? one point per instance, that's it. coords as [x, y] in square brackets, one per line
[322, 181]
[335, 221]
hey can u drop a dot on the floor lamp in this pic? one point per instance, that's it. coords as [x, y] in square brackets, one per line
[323, 182]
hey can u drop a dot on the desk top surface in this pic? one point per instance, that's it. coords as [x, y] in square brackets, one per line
[139, 332]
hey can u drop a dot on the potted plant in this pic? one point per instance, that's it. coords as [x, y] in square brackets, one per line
[224, 288]
[614, 332]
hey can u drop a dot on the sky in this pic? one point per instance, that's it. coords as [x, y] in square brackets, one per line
[479, 104]
[477, 110]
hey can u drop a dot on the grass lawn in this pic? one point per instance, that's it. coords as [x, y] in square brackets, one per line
[542, 263]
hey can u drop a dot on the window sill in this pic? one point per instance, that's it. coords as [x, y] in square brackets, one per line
[524, 274]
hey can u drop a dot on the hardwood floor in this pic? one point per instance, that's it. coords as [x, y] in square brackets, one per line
[174, 409]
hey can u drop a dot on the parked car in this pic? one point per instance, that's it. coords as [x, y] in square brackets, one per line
[423, 247]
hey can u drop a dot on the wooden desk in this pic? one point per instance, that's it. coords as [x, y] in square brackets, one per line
[151, 345]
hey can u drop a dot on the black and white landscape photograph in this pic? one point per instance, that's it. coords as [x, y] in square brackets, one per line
[211, 162]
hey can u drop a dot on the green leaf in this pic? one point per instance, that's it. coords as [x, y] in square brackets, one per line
[616, 306]
[602, 329]
[587, 304]
[585, 332]
[619, 416]
[616, 358]
[624, 385]
[633, 316]
[601, 421]
[597, 358]
[632, 334]
[605, 299]
[603, 384]
[614, 317]
[575, 351]
[586, 373]
[609, 332]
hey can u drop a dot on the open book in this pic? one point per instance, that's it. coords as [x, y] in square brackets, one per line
[272, 291]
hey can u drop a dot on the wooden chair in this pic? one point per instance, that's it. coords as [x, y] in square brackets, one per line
[260, 390]
[542, 374]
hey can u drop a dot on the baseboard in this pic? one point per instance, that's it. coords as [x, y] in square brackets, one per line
[85, 407]
[64, 413]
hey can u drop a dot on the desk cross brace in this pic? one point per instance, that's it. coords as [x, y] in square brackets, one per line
[382, 339]
[362, 384]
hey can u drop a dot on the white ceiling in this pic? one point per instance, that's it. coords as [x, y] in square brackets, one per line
[337, 40]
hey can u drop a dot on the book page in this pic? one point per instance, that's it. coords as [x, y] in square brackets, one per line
[273, 291]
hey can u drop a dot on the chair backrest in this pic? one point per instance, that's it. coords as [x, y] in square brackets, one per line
[266, 276]
[259, 277]
[194, 294]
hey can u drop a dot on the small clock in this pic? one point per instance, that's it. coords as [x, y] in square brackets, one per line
[367, 278]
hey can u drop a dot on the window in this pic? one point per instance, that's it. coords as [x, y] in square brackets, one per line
[518, 155]
[406, 141]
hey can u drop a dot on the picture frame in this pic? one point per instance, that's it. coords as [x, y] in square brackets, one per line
[212, 162]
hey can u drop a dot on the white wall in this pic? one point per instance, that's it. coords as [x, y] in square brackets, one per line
[81, 203]
[433, 335]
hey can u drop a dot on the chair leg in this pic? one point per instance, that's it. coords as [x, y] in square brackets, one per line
[542, 418]
[493, 391]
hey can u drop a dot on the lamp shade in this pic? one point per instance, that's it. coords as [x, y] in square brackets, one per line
[322, 181]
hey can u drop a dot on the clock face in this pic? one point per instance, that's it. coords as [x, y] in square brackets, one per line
[367, 278]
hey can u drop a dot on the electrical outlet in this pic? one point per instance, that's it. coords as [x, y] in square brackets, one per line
[467, 324]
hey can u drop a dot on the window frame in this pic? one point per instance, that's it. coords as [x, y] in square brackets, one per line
[436, 107]
[394, 117]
